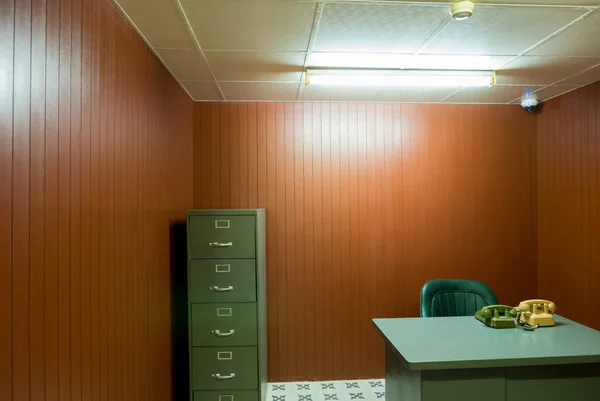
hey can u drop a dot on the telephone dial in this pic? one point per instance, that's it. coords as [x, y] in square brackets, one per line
[536, 313]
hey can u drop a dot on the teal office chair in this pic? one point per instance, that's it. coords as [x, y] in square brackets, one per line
[455, 297]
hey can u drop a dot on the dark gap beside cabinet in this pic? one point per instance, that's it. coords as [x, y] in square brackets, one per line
[179, 322]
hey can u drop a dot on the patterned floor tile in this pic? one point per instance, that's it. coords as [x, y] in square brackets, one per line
[342, 390]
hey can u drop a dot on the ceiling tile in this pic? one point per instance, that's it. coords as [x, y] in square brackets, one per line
[383, 94]
[202, 90]
[259, 91]
[579, 40]
[538, 70]
[256, 66]
[386, 28]
[494, 30]
[187, 65]
[494, 94]
[585, 78]
[553, 91]
[548, 92]
[160, 22]
[258, 25]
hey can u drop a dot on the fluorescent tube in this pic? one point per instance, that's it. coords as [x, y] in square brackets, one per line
[422, 61]
[400, 78]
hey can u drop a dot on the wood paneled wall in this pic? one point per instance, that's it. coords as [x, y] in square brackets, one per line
[568, 136]
[95, 164]
[365, 202]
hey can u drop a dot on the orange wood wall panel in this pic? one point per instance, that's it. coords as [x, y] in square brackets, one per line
[365, 202]
[96, 163]
[568, 137]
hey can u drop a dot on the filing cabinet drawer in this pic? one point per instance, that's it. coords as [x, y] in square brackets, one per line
[224, 368]
[225, 395]
[216, 237]
[224, 324]
[227, 280]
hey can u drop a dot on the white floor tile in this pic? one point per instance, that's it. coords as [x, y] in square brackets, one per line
[342, 390]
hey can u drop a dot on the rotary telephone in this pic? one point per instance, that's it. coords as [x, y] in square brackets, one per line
[497, 316]
[530, 314]
[535, 313]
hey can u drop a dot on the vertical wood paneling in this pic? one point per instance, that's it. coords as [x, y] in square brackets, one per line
[75, 194]
[309, 264]
[51, 197]
[7, 43]
[37, 196]
[352, 312]
[234, 160]
[205, 150]
[224, 154]
[96, 164]
[326, 267]
[365, 202]
[20, 202]
[270, 186]
[336, 237]
[363, 277]
[567, 194]
[299, 224]
[289, 240]
[86, 189]
[345, 278]
[120, 267]
[95, 204]
[252, 155]
[280, 212]
[64, 209]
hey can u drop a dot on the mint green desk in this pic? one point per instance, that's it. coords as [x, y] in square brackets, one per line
[460, 358]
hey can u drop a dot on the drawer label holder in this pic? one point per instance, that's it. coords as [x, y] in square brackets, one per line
[222, 224]
[225, 356]
[224, 312]
[223, 268]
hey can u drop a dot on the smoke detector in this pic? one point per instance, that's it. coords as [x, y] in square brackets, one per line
[462, 10]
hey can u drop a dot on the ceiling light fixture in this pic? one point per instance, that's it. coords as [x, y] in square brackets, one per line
[462, 10]
[364, 77]
[411, 61]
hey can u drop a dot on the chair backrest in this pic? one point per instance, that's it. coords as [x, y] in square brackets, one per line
[451, 297]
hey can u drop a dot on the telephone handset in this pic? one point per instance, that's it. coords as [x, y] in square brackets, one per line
[497, 316]
[536, 313]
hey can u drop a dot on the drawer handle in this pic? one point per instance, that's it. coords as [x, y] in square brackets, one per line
[217, 376]
[219, 334]
[220, 244]
[216, 288]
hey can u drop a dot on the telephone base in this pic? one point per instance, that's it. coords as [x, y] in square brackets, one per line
[497, 323]
[539, 319]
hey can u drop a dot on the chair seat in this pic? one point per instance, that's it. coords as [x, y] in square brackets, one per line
[455, 297]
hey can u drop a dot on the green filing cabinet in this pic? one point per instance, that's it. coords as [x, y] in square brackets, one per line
[227, 305]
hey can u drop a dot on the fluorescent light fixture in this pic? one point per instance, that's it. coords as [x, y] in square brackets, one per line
[363, 77]
[405, 61]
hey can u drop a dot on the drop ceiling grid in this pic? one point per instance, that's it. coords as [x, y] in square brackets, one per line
[575, 15]
[537, 88]
[134, 25]
[320, 6]
[590, 15]
[311, 43]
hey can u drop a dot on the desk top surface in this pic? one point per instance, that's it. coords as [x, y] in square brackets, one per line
[464, 342]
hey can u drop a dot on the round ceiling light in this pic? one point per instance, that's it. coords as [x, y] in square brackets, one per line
[462, 10]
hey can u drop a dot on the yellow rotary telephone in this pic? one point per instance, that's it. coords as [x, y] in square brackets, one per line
[536, 313]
